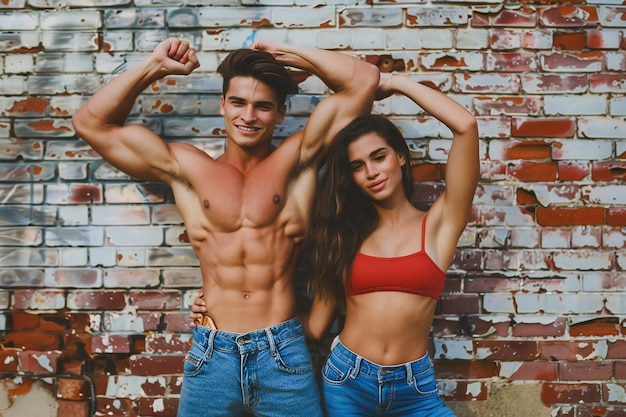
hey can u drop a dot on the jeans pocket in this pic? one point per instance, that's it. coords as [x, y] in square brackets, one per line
[334, 372]
[425, 383]
[293, 356]
[194, 359]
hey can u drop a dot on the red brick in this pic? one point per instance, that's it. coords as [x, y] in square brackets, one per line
[608, 170]
[9, 359]
[31, 341]
[511, 350]
[165, 364]
[607, 82]
[73, 408]
[95, 300]
[566, 350]
[534, 171]
[179, 322]
[491, 284]
[74, 389]
[554, 393]
[585, 371]
[569, 16]
[569, 41]
[38, 362]
[573, 171]
[620, 370]
[525, 197]
[617, 349]
[579, 61]
[535, 371]
[512, 62]
[458, 369]
[21, 321]
[115, 407]
[167, 407]
[554, 329]
[156, 300]
[459, 304]
[601, 326]
[426, 172]
[616, 216]
[522, 17]
[543, 127]
[564, 216]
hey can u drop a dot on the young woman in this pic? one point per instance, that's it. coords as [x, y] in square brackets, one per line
[383, 260]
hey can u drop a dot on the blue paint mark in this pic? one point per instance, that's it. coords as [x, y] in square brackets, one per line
[249, 40]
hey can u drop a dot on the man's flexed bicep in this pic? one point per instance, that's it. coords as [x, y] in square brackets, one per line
[132, 149]
[101, 120]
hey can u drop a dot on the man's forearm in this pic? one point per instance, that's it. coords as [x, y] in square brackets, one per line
[113, 102]
[339, 71]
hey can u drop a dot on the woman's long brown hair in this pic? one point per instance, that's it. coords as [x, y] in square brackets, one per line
[343, 216]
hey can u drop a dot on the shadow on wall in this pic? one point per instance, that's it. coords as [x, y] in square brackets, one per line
[523, 400]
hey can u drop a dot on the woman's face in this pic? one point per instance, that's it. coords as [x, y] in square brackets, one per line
[376, 167]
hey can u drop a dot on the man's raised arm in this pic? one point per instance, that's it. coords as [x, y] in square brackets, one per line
[133, 149]
[352, 80]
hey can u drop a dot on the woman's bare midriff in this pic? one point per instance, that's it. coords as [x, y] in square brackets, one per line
[388, 328]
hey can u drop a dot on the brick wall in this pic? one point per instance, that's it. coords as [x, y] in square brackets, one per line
[96, 274]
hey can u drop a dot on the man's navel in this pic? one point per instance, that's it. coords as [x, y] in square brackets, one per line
[206, 203]
[276, 199]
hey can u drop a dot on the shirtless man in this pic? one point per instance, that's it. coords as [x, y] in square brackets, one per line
[246, 213]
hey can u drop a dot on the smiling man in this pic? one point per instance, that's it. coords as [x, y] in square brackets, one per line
[246, 213]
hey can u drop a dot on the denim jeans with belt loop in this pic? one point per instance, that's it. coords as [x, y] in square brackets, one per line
[354, 386]
[266, 372]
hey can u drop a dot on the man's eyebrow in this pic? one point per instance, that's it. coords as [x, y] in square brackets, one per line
[262, 102]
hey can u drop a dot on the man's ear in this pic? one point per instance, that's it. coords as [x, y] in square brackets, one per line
[282, 110]
[222, 105]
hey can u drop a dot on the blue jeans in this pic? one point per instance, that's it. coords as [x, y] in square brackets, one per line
[354, 386]
[266, 372]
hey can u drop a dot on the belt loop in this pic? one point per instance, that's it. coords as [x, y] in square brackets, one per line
[409, 373]
[210, 342]
[357, 367]
[270, 339]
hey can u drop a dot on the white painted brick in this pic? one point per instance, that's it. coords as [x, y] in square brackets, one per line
[368, 16]
[23, 21]
[495, 83]
[73, 215]
[494, 127]
[524, 238]
[605, 194]
[491, 194]
[18, 64]
[582, 260]
[473, 60]
[499, 260]
[621, 261]
[617, 106]
[568, 105]
[614, 238]
[615, 61]
[309, 17]
[74, 236]
[530, 303]
[498, 303]
[601, 127]
[616, 303]
[552, 194]
[555, 238]
[401, 39]
[467, 239]
[131, 257]
[547, 281]
[438, 16]
[582, 149]
[620, 147]
[134, 236]
[334, 39]
[604, 281]
[574, 303]
[510, 216]
[72, 257]
[472, 39]
[493, 237]
[541, 39]
[104, 257]
[453, 349]
[69, 41]
[12, 84]
[437, 39]
[71, 20]
[586, 237]
[120, 214]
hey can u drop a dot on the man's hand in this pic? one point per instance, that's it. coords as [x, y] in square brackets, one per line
[175, 56]
[198, 309]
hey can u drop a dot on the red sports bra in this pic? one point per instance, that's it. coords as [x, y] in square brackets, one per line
[415, 273]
